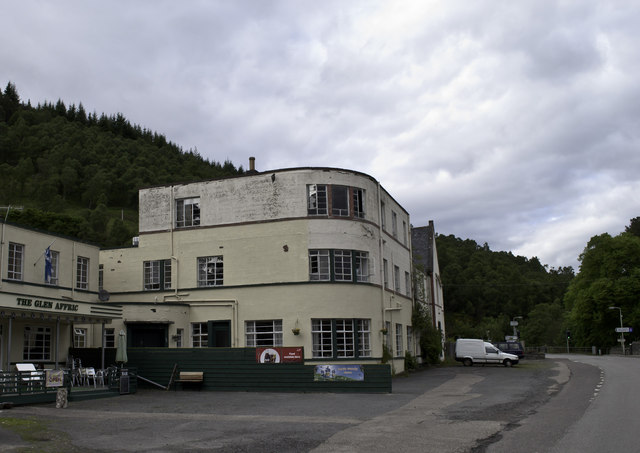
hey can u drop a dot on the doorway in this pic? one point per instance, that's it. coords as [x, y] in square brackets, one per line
[219, 334]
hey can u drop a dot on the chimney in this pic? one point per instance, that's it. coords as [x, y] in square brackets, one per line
[252, 166]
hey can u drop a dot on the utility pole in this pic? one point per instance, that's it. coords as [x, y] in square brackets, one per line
[621, 328]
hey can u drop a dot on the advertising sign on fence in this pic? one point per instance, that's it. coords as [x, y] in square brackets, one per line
[338, 373]
[278, 355]
[54, 378]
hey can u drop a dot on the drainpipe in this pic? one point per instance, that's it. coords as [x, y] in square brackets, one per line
[381, 260]
[9, 342]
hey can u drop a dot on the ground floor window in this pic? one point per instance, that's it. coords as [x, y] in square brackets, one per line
[263, 333]
[341, 338]
[179, 336]
[199, 334]
[79, 338]
[110, 337]
[37, 343]
[410, 340]
[399, 340]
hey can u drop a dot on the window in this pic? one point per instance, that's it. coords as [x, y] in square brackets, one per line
[387, 328]
[157, 275]
[362, 266]
[110, 338]
[187, 212]
[364, 337]
[340, 201]
[79, 338]
[358, 203]
[342, 265]
[199, 334]
[383, 215]
[179, 337]
[396, 279]
[319, 269]
[55, 260]
[399, 341]
[316, 199]
[37, 343]
[385, 266]
[394, 224]
[210, 271]
[16, 261]
[407, 284]
[321, 333]
[82, 273]
[410, 340]
[349, 342]
[263, 333]
[404, 232]
[100, 277]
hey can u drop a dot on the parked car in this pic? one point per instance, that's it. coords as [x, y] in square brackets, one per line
[512, 347]
[470, 351]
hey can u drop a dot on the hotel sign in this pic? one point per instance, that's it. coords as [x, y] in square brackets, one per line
[23, 302]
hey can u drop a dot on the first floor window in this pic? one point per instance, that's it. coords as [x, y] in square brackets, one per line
[358, 203]
[210, 271]
[396, 279]
[199, 334]
[110, 337]
[37, 343]
[82, 273]
[399, 340]
[54, 263]
[16, 261]
[317, 199]
[157, 275]
[341, 338]
[319, 269]
[362, 266]
[385, 270]
[407, 284]
[79, 338]
[394, 224]
[187, 212]
[263, 333]
[342, 265]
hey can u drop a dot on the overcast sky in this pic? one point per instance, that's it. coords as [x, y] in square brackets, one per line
[514, 123]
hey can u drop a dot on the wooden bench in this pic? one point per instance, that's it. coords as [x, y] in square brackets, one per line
[191, 378]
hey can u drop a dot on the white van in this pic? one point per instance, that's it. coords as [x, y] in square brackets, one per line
[470, 351]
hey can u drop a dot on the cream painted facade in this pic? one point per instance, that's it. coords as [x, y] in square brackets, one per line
[264, 239]
[38, 318]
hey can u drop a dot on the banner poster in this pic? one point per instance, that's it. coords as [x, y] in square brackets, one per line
[54, 378]
[278, 355]
[338, 373]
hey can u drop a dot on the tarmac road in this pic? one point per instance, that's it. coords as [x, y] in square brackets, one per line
[448, 409]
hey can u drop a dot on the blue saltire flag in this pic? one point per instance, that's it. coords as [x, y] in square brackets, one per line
[47, 265]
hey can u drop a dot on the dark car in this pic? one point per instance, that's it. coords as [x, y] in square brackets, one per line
[511, 347]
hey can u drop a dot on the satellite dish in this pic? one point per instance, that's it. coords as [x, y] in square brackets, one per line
[103, 295]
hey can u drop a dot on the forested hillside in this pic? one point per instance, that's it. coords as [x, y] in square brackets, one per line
[485, 290]
[77, 173]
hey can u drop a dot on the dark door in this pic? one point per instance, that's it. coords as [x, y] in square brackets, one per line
[219, 334]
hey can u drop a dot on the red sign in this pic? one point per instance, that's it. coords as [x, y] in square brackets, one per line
[279, 355]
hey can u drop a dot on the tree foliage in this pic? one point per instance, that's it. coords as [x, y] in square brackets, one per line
[62, 162]
[609, 277]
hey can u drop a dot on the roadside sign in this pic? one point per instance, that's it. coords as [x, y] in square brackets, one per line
[513, 323]
[624, 329]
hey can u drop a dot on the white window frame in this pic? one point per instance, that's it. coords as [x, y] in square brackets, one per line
[407, 284]
[15, 269]
[359, 207]
[156, 275]
[79, 337]
[55, 263]
[109, 337]
[263, 333]
[399, 340]
[340, 194]
[317, 199]
[364, 337]
[362, 266]
[82, 272]
[322, 338]
[394, 224]
[410, 340]
[319, 265]
[179, 337]
[37, 344]
[385, 271]
[404, 232]
[342, 266]
[187, 212]
[199, 334]
[210, 271]
[396, 279]
[383, 215]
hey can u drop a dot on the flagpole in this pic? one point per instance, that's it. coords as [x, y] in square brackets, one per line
[43, 253]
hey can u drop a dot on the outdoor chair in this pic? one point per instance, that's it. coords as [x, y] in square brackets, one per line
[90, 374]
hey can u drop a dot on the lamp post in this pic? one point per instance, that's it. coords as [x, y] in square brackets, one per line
[621, 327]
